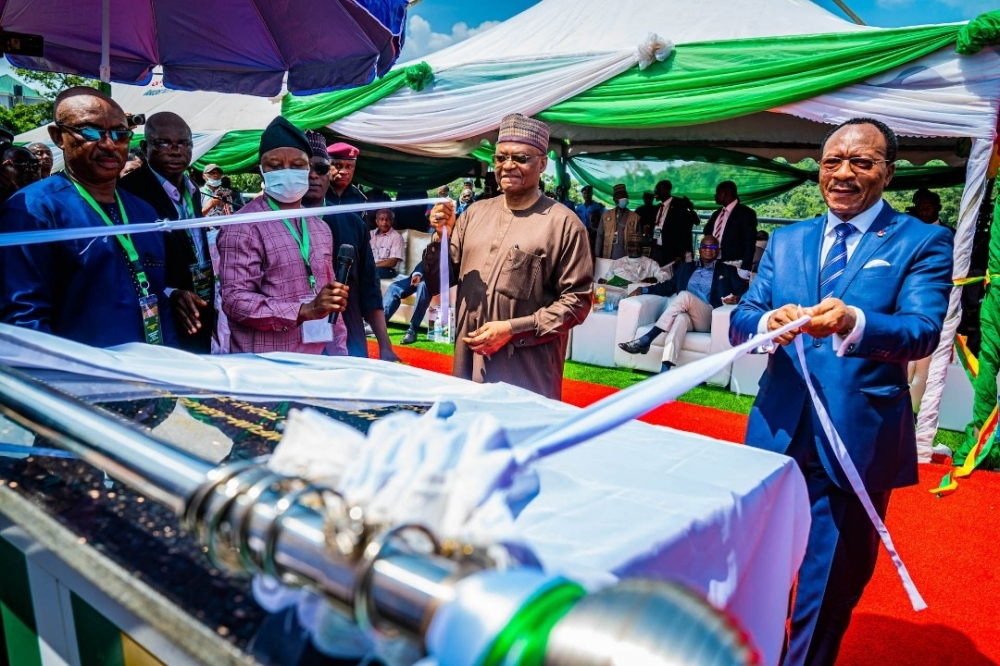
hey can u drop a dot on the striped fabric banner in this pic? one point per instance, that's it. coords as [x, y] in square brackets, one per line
[27, 613]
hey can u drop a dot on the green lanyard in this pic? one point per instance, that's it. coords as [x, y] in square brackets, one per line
[123, 239]
[302, 242]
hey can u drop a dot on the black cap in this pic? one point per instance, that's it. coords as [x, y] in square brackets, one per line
[282, 134]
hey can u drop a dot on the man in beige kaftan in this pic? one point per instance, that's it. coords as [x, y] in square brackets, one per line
[524, 271]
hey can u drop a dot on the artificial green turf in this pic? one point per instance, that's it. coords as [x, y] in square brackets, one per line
[708, 396]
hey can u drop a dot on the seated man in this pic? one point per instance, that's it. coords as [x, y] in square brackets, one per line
[387, 245]
[633, 267]
[425, 280]
[700, 286]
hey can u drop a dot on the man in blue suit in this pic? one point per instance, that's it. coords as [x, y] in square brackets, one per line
[701, 286]
[875, 283]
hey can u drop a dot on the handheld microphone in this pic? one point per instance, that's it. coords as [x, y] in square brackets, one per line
[345, 258]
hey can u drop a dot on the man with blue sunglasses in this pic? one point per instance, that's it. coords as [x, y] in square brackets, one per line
[101, 292]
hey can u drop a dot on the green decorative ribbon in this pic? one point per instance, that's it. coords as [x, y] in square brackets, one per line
[419, 76]
[977, 34]
[316, 111]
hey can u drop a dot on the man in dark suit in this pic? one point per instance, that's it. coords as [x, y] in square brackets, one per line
[162, 182]
[735, 225]
[875, 283]
[671, 232]
[701, 286]
[365, 305]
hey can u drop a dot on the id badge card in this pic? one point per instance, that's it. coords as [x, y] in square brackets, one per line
[316, 330]
[203, 278]
[151, 319]
[657, 233]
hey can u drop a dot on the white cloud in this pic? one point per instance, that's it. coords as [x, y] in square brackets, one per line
[421, 38]
[966, 8]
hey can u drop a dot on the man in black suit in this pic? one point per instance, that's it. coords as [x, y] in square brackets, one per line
[162, 182]
[700, 286]
[671, 231]
[735, 225]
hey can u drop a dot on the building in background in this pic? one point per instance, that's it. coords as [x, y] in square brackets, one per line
[13, 92]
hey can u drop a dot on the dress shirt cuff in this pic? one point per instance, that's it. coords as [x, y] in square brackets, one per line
[420, 273]
[521, 325]
[845, 344]
[167, 291]
[770, 347]
[743, 274]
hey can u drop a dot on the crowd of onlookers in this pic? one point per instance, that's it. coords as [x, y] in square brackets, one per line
[271, 286]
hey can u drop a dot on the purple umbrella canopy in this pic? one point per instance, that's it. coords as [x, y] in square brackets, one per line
[233, 46]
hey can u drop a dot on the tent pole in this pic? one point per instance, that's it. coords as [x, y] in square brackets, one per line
[105, 85]
[972, 200]
[847, 10]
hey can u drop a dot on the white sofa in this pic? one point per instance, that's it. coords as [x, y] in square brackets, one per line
[637, 315]
[414, 243]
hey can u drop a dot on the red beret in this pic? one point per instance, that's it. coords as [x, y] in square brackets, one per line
[342, 151]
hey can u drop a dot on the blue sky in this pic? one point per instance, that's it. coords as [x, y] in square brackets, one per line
[435, 24]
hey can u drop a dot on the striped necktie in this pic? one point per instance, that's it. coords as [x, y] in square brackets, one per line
[836, 260]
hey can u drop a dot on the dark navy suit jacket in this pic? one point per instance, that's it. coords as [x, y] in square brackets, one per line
[78, 289]
[900, 277]
[725, 281]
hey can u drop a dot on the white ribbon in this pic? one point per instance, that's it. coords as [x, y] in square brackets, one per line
[844, 458]
[631, 403]
[445, 267]
[76, 233]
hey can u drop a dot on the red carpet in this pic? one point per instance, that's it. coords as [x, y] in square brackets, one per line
[949, 546]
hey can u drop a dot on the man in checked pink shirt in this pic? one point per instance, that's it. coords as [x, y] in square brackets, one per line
[277, 277]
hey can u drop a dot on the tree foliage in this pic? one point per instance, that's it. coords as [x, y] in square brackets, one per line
[50, 84]
[24, 117]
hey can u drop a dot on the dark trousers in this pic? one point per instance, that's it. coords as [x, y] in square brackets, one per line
[839, 560]
[401, 289]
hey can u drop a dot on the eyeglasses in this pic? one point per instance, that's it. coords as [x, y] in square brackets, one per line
[34, 165]
[320, 169]
[172, 145]
[97, 133]
[857, 163]
[517, 158]
[708, 247]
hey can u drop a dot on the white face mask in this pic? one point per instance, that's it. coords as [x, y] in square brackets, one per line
[286, 185]
[623, 203]
[213, 182]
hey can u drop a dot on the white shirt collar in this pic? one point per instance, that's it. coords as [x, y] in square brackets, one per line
[862, 222]
[732, 204]
[169, 188]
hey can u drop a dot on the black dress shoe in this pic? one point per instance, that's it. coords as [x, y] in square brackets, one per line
[409, 337]
[634, 346]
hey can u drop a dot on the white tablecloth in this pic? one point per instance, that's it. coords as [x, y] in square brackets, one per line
[642, 500]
